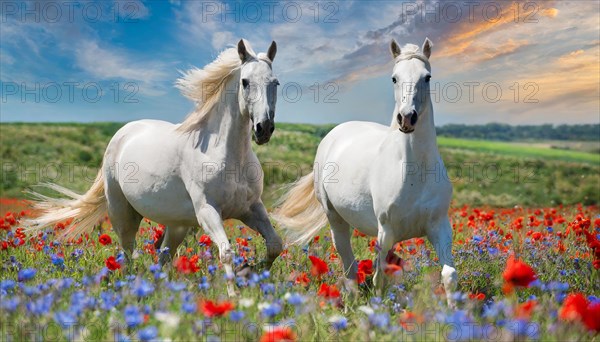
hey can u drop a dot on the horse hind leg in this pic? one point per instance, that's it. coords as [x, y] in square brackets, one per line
[341, 235]
[258, 219]
[124, 218]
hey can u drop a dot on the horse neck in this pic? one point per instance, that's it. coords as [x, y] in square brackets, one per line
[421, 145]
[226, 128]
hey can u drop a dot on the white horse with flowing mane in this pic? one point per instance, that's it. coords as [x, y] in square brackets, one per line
[199, 172]
[387, 181]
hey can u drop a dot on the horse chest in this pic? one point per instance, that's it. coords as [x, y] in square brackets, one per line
[412, 205]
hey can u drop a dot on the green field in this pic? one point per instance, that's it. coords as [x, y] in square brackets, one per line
[520, 150]
[488, 173]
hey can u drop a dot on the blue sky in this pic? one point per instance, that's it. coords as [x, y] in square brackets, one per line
[118, 60]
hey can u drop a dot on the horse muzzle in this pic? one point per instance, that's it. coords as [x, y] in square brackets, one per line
[263, 131]
[408, 121]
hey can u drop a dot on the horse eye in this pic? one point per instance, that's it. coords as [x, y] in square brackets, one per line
[427, 78]
[245, 82]
[276, 82]
[394, 80]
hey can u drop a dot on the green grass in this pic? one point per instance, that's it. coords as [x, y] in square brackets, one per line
[518, 150]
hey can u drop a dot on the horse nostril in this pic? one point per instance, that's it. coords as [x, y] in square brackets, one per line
[272, 129]
[258, 128]
[413, 118]
[399, 118]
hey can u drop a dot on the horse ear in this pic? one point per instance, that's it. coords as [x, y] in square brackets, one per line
[242, 51]
[394, 48]
[427, 45]
[272, 51]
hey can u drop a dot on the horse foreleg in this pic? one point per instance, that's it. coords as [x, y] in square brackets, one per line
[385, 240]
[258, 219]
[440, 237]
[212, 223]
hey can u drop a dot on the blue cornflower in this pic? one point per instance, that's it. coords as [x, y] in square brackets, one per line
[121, 258]
[271, 310]
[204, 284]
[9, 304]
[189, 307]
[295, 299]
[65, 319]
[380, 320]
[523, 328]
[212, 269]
[549, 229]
[238, 260]
[109, 300]
[492, 251]
[30, 290]
[154, 268]
[338, 322]
[236, 316]
[148, 333]
[26, 274]
[176, 286]
[40, 306]
[80, 301]
[7, 284]
[133, 316]
[57, 260]
[477, 238]
[76, 254]
[267, 288]
[143, 288]
[265, 275]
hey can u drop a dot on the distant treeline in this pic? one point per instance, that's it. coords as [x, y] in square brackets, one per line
[504, 132]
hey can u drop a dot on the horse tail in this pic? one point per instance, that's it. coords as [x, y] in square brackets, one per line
[299, 212]
[86, 210]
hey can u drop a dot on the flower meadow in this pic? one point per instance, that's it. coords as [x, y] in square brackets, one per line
[523, 274]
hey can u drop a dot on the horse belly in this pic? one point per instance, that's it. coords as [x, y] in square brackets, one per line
[166, 202]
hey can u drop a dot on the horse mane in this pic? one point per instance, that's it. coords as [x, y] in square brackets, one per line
[410, 51]
[205, 86]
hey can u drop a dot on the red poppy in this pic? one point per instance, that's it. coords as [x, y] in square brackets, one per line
[278, 334]
[518, 273]
[574, 307]
[302, 279]
[577, 308]
[319, 266]
[357, 233]
[212, 309]
[328, 291]
[524, 310]
[592, 318]
[365, 268]
[205, 240]
[477, 296]
[187, 266]
[112, 263]
[105, 239]
[242, 242]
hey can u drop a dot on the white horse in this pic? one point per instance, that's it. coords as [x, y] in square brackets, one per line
[387, 181]
[199, 172]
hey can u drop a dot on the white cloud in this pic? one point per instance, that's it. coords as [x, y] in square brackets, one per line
[107, 64]
[220, 40]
